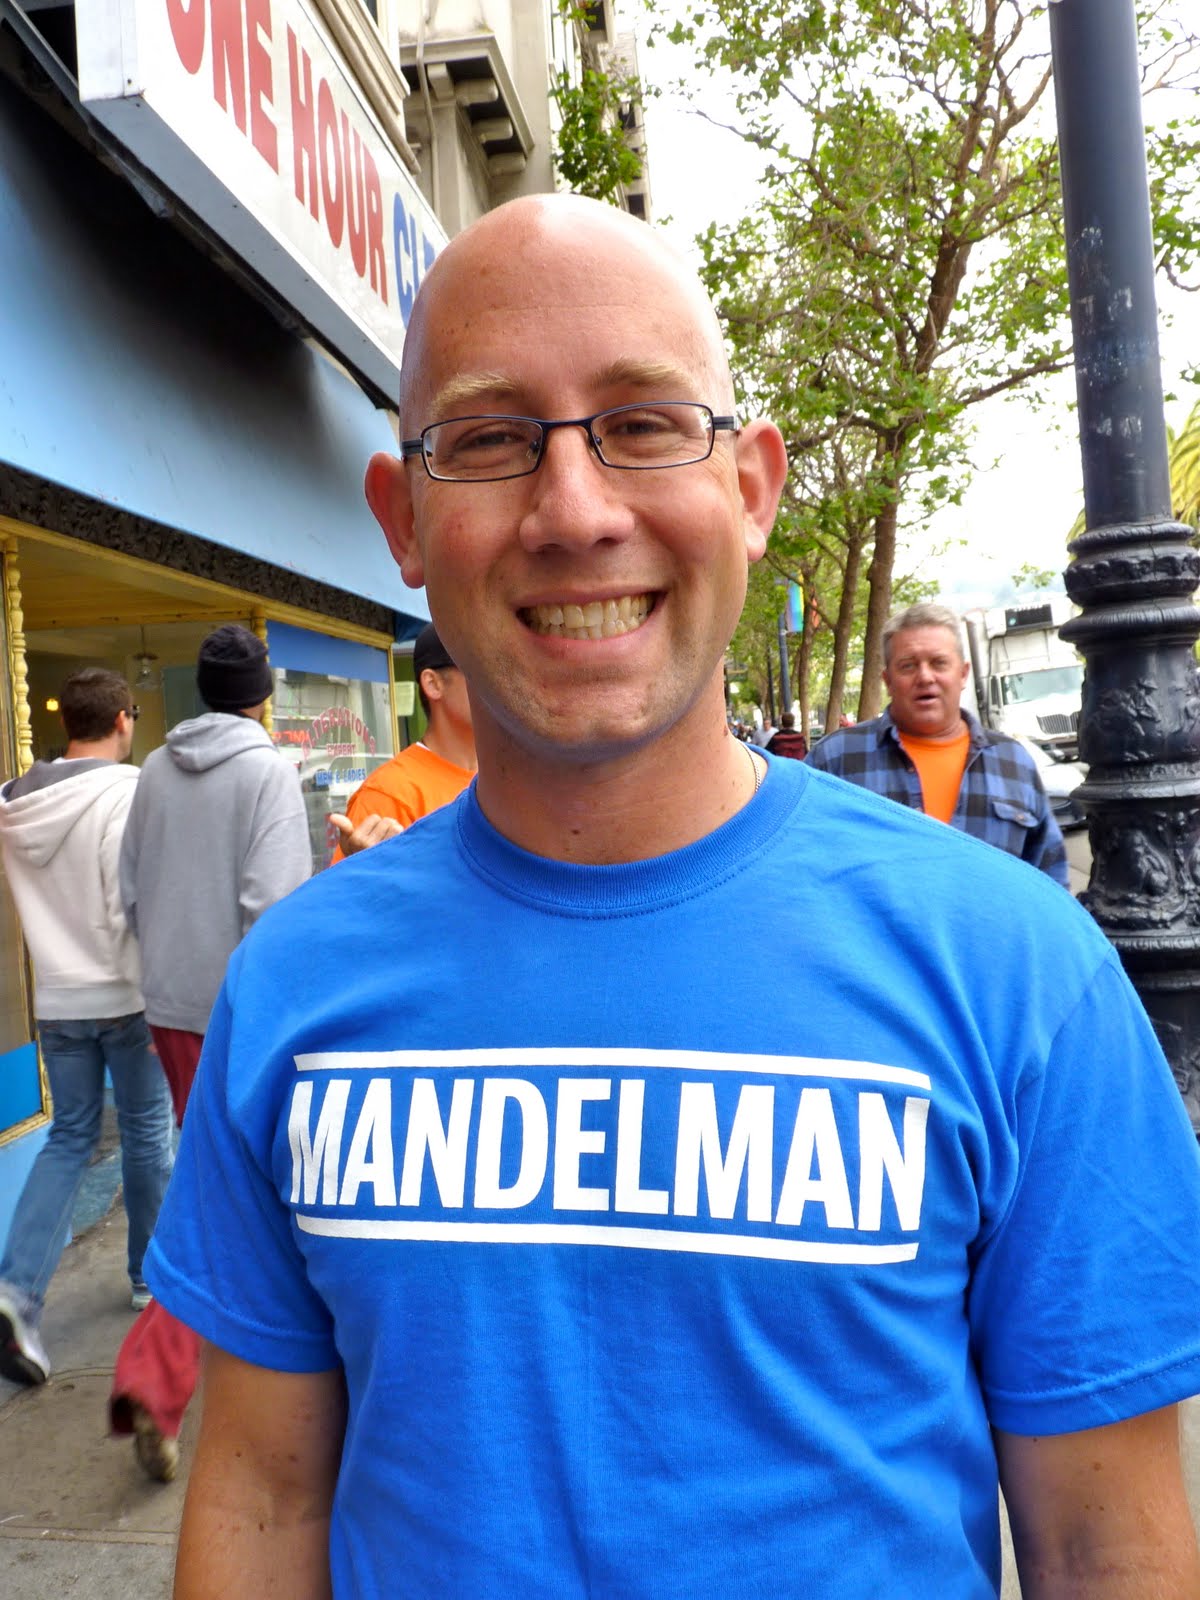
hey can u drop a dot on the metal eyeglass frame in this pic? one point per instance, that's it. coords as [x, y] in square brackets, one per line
[416, 447]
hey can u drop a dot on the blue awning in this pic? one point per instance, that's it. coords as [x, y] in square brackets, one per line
[135, 372]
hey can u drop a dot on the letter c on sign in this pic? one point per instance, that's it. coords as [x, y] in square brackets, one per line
[406, 266]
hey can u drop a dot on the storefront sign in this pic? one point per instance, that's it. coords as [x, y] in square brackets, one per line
[243, 109]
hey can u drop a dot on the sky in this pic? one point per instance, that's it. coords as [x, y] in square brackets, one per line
[1027, 488]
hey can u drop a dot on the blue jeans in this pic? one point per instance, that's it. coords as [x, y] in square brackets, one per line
[76, 1054]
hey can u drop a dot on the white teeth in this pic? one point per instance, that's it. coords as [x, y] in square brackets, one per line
[595, 619]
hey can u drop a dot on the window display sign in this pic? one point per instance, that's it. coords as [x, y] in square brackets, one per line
[246, 112]
[356, 733]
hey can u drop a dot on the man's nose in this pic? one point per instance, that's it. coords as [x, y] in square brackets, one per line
[575, 500]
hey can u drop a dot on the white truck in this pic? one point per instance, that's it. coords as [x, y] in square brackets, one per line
[1027, 682]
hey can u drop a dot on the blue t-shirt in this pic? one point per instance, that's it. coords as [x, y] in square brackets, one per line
[640, 1291]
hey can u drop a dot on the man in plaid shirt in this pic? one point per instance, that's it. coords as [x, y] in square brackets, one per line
[927, 752]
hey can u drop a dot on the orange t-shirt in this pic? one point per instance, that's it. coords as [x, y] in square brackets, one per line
[409, 786]
[940, 764]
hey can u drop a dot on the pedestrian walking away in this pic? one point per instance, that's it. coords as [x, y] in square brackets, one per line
[60, 827]
[217, 833]
[789, 741]
[527, 1263]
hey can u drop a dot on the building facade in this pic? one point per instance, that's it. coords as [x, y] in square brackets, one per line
[214, 217]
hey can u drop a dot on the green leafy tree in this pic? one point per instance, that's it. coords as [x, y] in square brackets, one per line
[1033, 577]
[825, 656]
[592, 153]
[905, 264]
[826, 538]
[754, 646]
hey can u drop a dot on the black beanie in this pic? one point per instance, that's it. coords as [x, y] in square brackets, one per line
[232, 671]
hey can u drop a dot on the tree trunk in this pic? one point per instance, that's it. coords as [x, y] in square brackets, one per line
[879, 597]
[856, 542]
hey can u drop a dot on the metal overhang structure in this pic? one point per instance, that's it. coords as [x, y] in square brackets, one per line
[136, 374]
[468, 68]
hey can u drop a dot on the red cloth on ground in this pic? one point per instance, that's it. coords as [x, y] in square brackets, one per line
[158, 1364]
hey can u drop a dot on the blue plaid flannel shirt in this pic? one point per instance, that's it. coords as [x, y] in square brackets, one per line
[1001, 799]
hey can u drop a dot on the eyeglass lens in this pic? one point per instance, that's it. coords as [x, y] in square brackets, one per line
[657, 435]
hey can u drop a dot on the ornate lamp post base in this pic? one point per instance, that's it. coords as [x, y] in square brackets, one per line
[1140, 736]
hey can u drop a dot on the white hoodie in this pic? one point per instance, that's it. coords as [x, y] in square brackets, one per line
[61, 837]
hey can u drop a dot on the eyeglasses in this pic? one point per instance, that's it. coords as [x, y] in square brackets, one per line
[133, 712]
[638, 438]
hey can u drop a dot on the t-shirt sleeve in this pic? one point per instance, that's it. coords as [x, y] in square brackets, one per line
[224, 1258]
[1085, 1298]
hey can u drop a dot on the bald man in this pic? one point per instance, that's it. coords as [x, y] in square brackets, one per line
[530, 1267]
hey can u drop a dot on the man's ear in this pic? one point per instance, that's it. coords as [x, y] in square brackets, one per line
[389, 497]
[762, 471]
[431, 683]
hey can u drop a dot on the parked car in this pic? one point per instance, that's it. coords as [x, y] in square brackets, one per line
[1060, 779]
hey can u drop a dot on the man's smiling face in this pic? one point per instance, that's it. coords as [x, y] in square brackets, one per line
[589, 607]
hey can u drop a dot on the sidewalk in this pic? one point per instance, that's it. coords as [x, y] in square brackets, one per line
[77, 1515]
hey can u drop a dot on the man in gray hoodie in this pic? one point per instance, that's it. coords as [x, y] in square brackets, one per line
[217, 833]
[61, 826]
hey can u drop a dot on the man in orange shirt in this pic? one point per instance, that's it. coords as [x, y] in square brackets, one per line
[926, 752]
[427, 774]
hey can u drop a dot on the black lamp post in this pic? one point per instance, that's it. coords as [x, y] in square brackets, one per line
[785, 680]
[1134, 570]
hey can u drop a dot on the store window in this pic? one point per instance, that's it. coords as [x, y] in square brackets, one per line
[332, 719]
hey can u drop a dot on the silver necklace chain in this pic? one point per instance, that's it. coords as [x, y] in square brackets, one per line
[755, 768]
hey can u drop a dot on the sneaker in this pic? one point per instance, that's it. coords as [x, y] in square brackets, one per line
[23, 1358]
[141, 1297]
[158, 1455]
